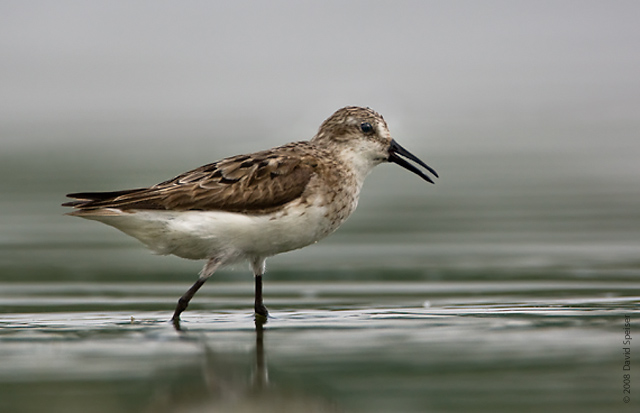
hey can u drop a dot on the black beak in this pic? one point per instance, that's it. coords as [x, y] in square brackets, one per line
[395, 153]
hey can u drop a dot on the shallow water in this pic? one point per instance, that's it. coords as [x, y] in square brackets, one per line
[370, 346]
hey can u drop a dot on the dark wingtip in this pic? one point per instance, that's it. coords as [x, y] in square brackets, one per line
[72, 203]
[84, 198]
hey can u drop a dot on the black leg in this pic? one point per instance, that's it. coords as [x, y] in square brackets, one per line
[183, 302]
[260, 309]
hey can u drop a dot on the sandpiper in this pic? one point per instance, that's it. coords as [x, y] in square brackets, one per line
[251, 207]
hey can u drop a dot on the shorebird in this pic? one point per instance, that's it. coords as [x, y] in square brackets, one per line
[251, 207]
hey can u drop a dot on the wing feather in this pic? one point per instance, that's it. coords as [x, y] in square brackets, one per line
[245, 183]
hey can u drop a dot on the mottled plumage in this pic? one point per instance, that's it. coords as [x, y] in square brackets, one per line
[250, 207]
[252, 183]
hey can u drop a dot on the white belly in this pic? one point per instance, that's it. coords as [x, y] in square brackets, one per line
[206, 234]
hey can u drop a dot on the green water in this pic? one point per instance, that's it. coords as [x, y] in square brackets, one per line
[370, 346]
[502, 288]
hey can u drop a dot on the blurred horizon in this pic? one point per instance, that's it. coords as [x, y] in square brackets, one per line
[421, 62]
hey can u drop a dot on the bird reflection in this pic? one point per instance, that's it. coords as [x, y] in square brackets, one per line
[227, 376]
[261, 374]
[231, 381]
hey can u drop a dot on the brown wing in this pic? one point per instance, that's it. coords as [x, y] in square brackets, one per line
[244, 183]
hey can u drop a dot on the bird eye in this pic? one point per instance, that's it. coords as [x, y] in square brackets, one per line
[366, 127]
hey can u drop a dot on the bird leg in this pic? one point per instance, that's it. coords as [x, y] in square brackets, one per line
[258, 265]
[209, 268]
[183, 302]
[260, 309]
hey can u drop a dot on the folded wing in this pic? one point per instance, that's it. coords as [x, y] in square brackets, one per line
[253, 183]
